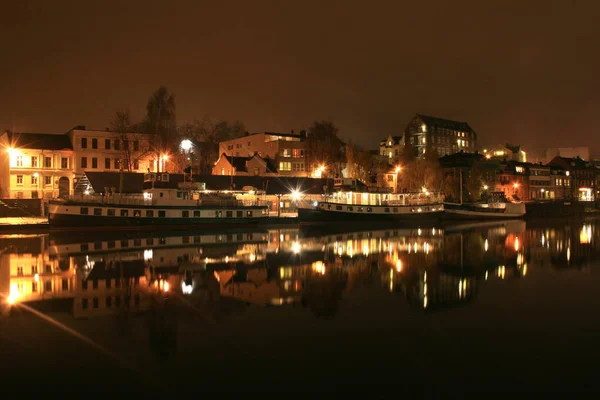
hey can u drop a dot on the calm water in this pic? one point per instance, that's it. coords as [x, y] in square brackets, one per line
[467, 308]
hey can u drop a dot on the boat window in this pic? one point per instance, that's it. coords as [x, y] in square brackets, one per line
[339, 208]
[124, 213]
[110, 245]
[350, 208]
[179, 194]
[248, 213]
[196, 214]
[387, 209]
[185, 239]
[83, 211]
[239, 214]
[84, 247]
[229, 214]
[97, 211]
[185, 214]
[329, 207]
[137, 242]
[412, 210]
[137, 213]
[110, 212]
[124, 243]
[196, 239]
[162, 214]
[360, 209]
[149, 213]
[149, 241]
[395, 209]
[161, 194]
[97, 245]
[218, 213]
[162, 240]
[369, 209]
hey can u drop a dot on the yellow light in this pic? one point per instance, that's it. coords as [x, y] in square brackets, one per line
[399, 265]
[398, 169]
[296, 248]
[296, 195]
[485, 187]
[516, 185]
[485, 246]
[36, 277]
[166, 287]
[516, 244]
[318, 267]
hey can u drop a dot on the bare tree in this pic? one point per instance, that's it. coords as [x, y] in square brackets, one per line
[132, 146]
[324, 147]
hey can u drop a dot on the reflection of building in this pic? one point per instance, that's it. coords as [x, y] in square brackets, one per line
[443, 135]
[35, 165]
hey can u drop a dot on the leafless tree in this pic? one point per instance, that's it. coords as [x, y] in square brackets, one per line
[132, 146]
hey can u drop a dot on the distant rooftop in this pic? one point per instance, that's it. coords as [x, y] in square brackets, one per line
[41, 141]
[445, 123]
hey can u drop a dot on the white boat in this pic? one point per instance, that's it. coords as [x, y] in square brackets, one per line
[160, 204]
[347, 204]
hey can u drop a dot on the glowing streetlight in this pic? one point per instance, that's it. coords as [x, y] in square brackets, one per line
[398, 169]
[296, 195]
[516, 185]
[186, 145]
[485, 187]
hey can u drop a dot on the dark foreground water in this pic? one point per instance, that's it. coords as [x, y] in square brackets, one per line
[491, 308]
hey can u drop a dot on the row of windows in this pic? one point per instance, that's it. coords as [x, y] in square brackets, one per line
[107, 162]
[110, 144]
[109, 301]
[294, 153]
[370, 209]
[34, 270]
[111, 212]
[34, 180]
[237, 146]
[64, 162]
[108, 283]
[47, 286]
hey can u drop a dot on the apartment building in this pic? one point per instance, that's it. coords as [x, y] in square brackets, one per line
[106, 151]
[287, 150]
[391, 148]
[35, 165]
[443, 135]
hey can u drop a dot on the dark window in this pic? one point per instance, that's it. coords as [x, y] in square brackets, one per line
[83, 211]
[350, 208]
[84, 247]
[117, 301]
[84, 285]
[117, 283]
[136, 164]
[149, 213]
[117, 163]
[387, 209]
[48, 162]
[64, 162]
[137, 242]
[124, 243]
[117, 145]
[395, 209]
[369, 209]
[84, 143]
[185, 239]
[49, 267]
[107, 144]
[65, 284]
[162, 214]
[94, 162]
[196, 214]
[229, 214]
[94, 143]
[98, 246]
[95, 302]
[149, 241]
[95, 283]
[107, 163]
[136, 145]
[48, 286]
[111, 245]
[218, 213]
[110, 212]
[97, 211]
[137, 213]
[136, 299]
[360, 209]
[84, 304]
[109, 302]
[185, 214]
[338, 208]
[34, 288]
[124, 213]
[83, 162]
[239, 214]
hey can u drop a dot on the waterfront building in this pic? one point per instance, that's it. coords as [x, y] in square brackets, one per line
[442, 135]
[35, 165]
[254, 165]
[583, 176]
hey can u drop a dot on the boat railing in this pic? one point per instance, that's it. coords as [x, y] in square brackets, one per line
[125, 199]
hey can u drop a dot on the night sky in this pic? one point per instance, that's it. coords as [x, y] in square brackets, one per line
[518, 71]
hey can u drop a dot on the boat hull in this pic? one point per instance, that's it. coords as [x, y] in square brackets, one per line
[318, 215]
[95, 222]
[462, 212]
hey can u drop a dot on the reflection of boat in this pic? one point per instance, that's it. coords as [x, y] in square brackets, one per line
[484, 211]
[349, 203]
[160, 204]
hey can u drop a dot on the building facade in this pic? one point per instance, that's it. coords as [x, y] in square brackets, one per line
[35, 165]
[505, 152]
[287, 150]
[583, 176]
[442, 135]
[391, 148]
[105, 151]
[244, 166]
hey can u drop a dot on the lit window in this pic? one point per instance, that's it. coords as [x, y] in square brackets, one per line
[19, 161]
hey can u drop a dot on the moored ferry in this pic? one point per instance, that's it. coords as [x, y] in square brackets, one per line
[160, 204]
[347, 204]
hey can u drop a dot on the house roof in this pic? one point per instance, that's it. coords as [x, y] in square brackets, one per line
[445, 123]
[39, 141]
[241, 163]
[134, 182]
[395, 139]
[571, 163]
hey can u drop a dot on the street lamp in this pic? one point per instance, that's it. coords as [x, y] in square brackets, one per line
[186, 145]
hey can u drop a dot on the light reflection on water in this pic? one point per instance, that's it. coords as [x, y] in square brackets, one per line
[429, 268]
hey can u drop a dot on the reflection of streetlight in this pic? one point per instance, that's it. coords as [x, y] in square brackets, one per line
[164, 159]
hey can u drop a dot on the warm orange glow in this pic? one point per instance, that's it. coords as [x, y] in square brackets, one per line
[319, 267]
[398, 169]
[516, 185]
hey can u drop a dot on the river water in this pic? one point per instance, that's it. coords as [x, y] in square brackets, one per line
[447, 311]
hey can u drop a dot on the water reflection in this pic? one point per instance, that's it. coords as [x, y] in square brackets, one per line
[225, 272]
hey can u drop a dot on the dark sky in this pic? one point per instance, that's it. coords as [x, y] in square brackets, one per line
[518, 71]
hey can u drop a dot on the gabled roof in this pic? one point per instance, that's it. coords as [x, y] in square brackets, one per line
[241, 163]
[571, 162]
[395, 140]
[134, 182]
[445, 123]
[39, 141]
